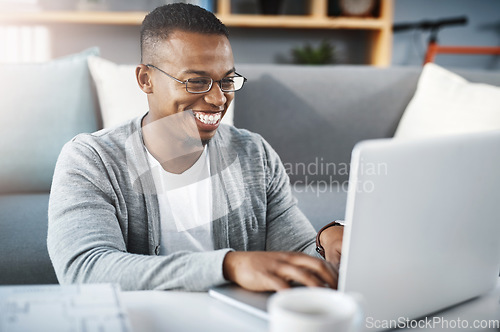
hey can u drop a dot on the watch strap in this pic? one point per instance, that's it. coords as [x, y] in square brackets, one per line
[319, 248]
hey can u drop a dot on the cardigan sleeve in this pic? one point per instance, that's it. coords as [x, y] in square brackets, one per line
[288, 228]
[89, 228]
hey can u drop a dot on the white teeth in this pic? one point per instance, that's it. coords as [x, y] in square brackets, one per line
[208, 119]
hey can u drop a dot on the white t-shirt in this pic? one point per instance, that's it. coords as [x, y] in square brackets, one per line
[185, 202]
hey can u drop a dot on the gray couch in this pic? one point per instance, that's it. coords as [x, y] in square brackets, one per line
[312, 116]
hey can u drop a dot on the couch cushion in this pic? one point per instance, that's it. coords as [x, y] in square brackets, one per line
[120, 97]
[446, 103]
[23, 240]
[314, 115]
[42, 107]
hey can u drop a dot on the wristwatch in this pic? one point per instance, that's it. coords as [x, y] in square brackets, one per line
[319, 247]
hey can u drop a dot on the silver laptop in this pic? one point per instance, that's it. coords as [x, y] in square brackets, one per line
[422, 225]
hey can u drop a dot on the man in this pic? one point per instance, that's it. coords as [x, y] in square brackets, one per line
[174, 199]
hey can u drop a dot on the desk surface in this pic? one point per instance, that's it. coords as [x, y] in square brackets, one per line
[151, 311]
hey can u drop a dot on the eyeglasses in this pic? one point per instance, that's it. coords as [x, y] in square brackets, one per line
[204, 84]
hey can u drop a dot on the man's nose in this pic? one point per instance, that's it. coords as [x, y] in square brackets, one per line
[215, 95]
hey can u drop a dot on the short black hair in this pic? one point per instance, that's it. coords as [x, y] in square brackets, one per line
[161, 22]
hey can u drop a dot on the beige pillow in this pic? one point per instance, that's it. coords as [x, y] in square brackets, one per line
[120, 97]
[446, 103]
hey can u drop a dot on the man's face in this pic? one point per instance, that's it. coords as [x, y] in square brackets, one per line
[186, 55]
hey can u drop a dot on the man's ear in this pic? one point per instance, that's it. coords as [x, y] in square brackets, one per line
[142, 73]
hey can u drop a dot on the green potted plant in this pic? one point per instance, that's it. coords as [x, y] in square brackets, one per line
[309, 55]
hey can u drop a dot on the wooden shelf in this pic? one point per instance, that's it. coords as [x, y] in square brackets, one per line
[381, 27]
[307, 22]
[236, 20]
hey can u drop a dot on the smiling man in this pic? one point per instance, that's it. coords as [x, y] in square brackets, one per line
[174, 199]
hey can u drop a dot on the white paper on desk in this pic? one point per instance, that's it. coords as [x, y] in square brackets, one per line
[75, 308]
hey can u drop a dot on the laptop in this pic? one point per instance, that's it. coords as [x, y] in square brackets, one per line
[422, 226]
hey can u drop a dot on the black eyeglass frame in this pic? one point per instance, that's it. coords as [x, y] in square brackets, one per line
[219, 82]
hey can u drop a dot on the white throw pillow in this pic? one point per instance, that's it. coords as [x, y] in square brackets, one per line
[120, 97]
[446, 103]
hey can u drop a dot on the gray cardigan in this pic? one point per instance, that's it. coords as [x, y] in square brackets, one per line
[104, 215]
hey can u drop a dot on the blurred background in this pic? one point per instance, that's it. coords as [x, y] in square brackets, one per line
[38, 41]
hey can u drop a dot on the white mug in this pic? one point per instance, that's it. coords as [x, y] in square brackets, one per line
[308, 309]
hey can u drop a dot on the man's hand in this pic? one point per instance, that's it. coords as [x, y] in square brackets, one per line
[272, 271]
[331, 241]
